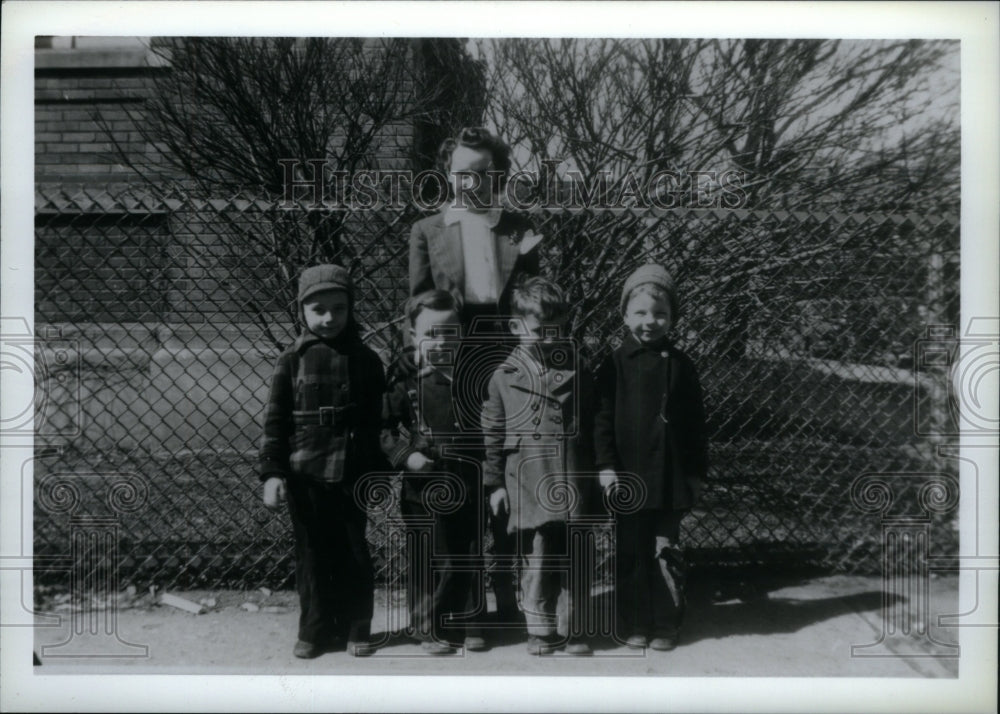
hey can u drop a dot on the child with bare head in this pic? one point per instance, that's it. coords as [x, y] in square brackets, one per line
[537, 436]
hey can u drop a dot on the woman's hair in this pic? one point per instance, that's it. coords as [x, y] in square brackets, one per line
[476, 138]
[540, 297]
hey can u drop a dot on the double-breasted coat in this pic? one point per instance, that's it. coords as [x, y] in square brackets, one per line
[538, 438]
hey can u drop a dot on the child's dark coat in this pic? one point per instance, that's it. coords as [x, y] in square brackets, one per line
[422, 414]
[651, 421]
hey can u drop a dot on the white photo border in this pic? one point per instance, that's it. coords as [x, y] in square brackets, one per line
[974, 24]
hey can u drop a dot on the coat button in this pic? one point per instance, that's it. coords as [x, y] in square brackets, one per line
[534, 407]
[556, 419]
[536, 436]
[536, 420]
[555, 405]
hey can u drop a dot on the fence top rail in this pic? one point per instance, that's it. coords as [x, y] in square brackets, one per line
[133, 200]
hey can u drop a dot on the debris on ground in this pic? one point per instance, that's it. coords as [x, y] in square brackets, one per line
[250, 607]
[266, 591]
[274, 609]
[181, 603]
[209, 602]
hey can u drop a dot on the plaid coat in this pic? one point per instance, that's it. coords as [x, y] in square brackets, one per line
[324, 411]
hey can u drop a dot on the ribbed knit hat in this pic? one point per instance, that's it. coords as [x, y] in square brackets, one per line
[324, 277]
[657, 275]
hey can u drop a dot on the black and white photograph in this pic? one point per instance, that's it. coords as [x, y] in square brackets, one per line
[517, 356]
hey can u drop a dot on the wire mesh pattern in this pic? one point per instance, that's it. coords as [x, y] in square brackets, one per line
[159, 317]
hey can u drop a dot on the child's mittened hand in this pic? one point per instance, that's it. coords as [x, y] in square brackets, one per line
[417, 462]
[274, 492]
[499, 501]
[608, 478]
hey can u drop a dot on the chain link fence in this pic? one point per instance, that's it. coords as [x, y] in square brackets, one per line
[158, 319]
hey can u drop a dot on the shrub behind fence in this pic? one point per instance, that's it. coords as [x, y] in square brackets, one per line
[159, 318]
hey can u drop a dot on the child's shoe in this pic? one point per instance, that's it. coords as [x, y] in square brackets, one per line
[432, 647]
[358, 644]
[543, 644]
[474, 640]
[637, 642]
[578, 648]
[307, 650]
[360, 649]
[475, 643]
[663, 643]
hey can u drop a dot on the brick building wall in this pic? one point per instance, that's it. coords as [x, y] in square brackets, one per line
[99, 260]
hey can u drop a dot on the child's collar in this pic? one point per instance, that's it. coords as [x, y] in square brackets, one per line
[633, 346]
[307, 339]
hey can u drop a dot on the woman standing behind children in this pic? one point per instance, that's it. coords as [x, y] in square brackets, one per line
[321, 432]
[650, 426]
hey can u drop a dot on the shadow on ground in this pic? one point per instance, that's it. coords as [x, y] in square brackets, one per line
[736, 606]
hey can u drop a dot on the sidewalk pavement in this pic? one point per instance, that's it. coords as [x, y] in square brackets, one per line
[792, 629]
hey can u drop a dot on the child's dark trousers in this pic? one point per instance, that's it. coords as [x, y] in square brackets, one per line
[650, 574]
[333, 568]
[444, 594]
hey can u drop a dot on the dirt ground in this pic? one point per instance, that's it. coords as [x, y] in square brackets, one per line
[793, 629]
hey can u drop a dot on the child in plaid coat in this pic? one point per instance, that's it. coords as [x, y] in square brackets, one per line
[321, 433]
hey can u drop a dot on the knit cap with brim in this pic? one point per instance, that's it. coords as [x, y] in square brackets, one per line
[324, 277]
[653, 274]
